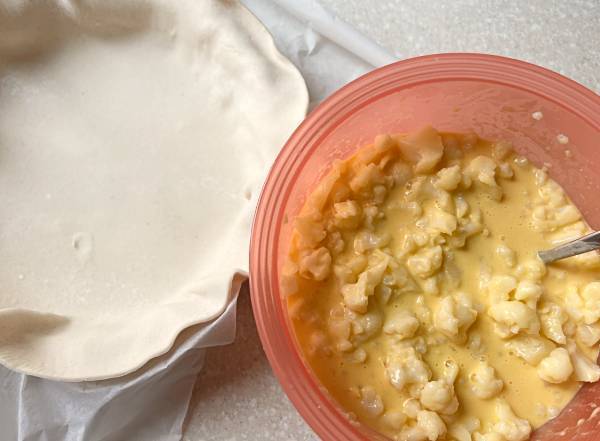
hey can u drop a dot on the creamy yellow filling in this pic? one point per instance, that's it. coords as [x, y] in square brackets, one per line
[419, 302]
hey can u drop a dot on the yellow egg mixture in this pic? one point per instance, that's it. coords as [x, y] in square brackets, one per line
[417, 297]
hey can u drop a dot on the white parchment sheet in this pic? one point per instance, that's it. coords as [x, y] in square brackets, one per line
[151, 404]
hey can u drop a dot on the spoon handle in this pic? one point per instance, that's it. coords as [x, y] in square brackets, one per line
[582, 245]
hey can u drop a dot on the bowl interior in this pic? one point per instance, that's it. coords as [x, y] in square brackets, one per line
[492, 96]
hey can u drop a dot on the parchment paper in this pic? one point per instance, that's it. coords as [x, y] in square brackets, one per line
[151, 403]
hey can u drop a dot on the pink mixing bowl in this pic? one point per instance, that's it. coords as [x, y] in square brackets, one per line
[493, 96]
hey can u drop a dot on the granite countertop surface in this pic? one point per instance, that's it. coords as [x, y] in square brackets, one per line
[236, 396]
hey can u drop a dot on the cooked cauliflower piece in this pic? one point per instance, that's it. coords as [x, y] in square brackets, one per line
[584, 368]
[512, 317]
[423, 148]
[484, 383]
[394, 419]
[448, 178]
[528, 292]
[511, 427]
[439, 396]
[556, 367]
[591, 299]
[552, 319]
[454, 316]
[347, 214]
[529, 348]
[489, 436]
[482, 169]
[426, 262]
[371, 401]
[402, 323]
[462, 206]
[316, 264]
[288, 280]
[499, 288]
[365, 326]
[438, 221]
[508, 255]
[533, 270]
[368, 240]
[431, 424]
[365, 178]
[405, 366]
[356, 295]
[588, 335]
[412, 433]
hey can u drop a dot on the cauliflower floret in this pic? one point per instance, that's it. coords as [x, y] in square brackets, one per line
[453, 317]
[318, 344]
[439, 396]
[501, 149]
[584, 368]
[335, 242]
[438, 220]
[405, 366]
[552, 320]
[310, 231]
[431, 424]
[365, 177]
[411, 407]
[528, 292]
[356, 295]
[499, 288]
[448, 178]
[430, 286]
[424, 148]
[413, 433]
[371, 401]
[589, 335]
[365, 326]
[509, 425]
[394, 419]
[531, 349]
[461, 205]
[368, 240]
[556, 367]
[339, 330]
[401, 323]
[591, 299]
[512, 317]
[565, 215]
[347, 214]
[315, 264]
[347, 270]
[400, 172]
[462, 431]
[508, 255]
[358, 356]
[484, 382]
[426, 262]
[482, 169]
[533, 270]
[459, 433]
[289, 278]
[574, 303]
[489, 436]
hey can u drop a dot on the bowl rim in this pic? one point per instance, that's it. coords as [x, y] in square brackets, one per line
[302, 388]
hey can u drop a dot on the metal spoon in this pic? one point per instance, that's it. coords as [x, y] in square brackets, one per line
[582, 245]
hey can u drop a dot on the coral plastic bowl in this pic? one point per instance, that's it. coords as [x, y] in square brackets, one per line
[491, 95]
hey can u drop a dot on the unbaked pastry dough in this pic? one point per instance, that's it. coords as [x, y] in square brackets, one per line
[134, 137]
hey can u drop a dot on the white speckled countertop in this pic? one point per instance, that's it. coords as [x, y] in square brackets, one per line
[237, 397]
